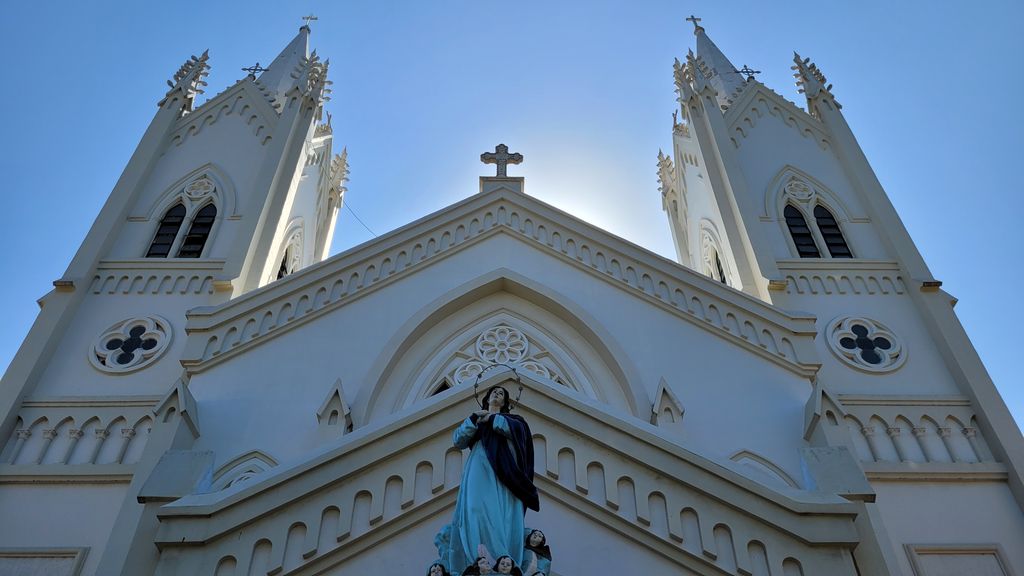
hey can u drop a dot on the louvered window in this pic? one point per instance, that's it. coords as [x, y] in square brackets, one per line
[801, 233]
[831, 233]
[195, 240]
[166, 232]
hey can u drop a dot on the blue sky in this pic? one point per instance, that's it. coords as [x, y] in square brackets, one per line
[583, 89]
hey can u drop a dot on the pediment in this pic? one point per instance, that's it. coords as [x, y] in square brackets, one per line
[217, 333]
[597, 473]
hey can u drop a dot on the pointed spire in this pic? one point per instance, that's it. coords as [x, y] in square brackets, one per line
[277, 79]
[720, 73]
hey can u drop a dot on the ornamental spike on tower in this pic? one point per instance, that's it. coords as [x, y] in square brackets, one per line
[812, 83]
[188, 80]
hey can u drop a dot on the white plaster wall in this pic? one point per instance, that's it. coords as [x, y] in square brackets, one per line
[266, 398]
[56, 516]
[925, 370]
[947, 513]
[69, 372]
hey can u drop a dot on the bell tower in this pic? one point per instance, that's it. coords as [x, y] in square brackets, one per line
[779, 201]
[218, 199]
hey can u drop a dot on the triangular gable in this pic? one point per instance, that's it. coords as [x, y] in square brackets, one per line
[219, 332]
[759, 101]
[622, 475]
[244, 98]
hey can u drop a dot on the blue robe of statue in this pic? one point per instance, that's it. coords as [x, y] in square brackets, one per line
[488, 519]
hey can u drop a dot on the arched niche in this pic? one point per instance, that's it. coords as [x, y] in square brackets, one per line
[408, 369]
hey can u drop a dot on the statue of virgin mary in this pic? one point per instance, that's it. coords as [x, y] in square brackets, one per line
[497, 486]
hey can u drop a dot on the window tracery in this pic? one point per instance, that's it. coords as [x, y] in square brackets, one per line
[195, 204]
[801, 199]
[131, 344]
[499, 344]
[865, 344]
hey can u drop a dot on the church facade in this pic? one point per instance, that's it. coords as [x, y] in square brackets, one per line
[206, 392]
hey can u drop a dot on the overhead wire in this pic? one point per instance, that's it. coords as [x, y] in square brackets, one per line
[360, 220]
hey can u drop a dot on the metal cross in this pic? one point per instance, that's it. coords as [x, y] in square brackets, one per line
[253, 70]
[309, 19]
[748, 72]
[696, 26]
[502, 158]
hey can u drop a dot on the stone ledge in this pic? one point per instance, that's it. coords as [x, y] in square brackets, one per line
[936, 471]
[66, 473]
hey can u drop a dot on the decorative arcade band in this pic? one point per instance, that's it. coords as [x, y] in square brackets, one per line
[487, 534]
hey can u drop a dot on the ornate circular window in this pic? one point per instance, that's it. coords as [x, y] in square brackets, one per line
[131, 344]
[502, 345]
[865, 344]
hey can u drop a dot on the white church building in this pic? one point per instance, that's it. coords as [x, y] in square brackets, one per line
[205, 392]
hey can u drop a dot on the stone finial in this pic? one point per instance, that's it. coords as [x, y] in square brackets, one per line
[502, 158]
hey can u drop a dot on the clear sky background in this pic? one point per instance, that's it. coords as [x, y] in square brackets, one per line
[583, 89]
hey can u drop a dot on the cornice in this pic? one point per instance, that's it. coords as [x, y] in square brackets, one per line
[842, 276]
[157, 276]
[64, 474]
[902, 400]
[936, 471]
[219, 332]
[91, 401]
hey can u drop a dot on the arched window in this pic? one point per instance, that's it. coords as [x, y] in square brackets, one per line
[719, 271]
[292, 257]
[166, 232]
[831, 233]
[198, 232]
[802, 236]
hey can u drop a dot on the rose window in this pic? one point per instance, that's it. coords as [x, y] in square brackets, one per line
[502, 345]
[865, 344]
[131, 344]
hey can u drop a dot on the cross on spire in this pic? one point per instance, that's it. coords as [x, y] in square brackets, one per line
[254, 70]
[748, 72]
[502, 158]
[308, 19]
[696, 27]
